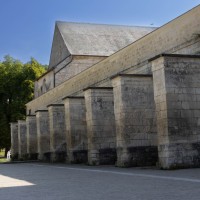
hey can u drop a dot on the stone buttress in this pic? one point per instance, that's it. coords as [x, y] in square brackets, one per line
[22, 139]
[100, 125]
[135, 120]
[57, 132]
[32, 148]
[14, 140]
[43, 135]
[177, 95]
[75, 117]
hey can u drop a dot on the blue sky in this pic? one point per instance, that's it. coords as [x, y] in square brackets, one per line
[27, 25]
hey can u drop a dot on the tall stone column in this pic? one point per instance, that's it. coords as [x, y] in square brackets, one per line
[176, 81]
[75, 117]
[22, 139]
[32, 149]
[14, 140]
[57, 132]
[135, 120]
[43, 134]
[100, 125]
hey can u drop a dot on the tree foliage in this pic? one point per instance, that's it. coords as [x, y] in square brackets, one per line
[16, 89]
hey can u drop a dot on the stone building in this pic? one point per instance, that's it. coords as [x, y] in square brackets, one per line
[78, 46]
[120, 95]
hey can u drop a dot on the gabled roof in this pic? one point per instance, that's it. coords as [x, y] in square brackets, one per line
[92, 39]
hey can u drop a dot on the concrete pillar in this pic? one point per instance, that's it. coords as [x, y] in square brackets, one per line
[43, 135]
[176, 81]
[22, 139]
[31, 137]
[135, 120]
[14, 140]
[75, 116]
[100, 125]
[57, 132]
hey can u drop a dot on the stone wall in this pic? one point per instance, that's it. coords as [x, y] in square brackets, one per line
[75, 118]
[43, 134]
[135, 120]
[139, 121]
[100, 126]
[57, 132]
[59, 51]
[65, 70]
[14, 140]
[32, 148]
[44, 84]
[180, 34]
[22, 139]
[77, 65]
[177, 97]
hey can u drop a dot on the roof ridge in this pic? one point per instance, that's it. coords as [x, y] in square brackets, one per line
[102, 24]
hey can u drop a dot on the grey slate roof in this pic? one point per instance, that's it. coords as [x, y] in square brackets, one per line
[91, 39]
[98, 39]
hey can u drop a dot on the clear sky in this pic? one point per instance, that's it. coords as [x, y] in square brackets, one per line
[27, 26]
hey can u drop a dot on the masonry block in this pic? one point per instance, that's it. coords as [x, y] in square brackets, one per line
[43, 135]
[75, 116]
[32, 148]
[22, 139]
[100, 125]
[135, 120]
[57, 132]
[176, 91]
[14, 140]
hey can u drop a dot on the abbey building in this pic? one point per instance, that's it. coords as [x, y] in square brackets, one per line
[122, 95]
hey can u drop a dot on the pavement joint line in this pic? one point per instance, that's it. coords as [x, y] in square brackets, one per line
[124, 173]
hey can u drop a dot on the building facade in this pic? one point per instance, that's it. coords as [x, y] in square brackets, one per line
[120, 95]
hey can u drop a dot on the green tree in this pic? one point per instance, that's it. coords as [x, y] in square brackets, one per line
[16, 89]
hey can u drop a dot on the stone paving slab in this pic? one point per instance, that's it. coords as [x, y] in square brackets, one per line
[41, 181]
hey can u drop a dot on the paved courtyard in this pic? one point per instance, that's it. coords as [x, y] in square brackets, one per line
[78, 182]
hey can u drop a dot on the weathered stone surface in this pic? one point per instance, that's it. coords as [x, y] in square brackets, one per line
[44, 84]
[75, 116]
[92, 39]
[74, 50]
[14, 140]
[135, 120]
[22, 139]
[100, 126]
[178, 36]
[57, 132]
[176, 93]
[32, 148]
[75, 65]
[43, 134]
